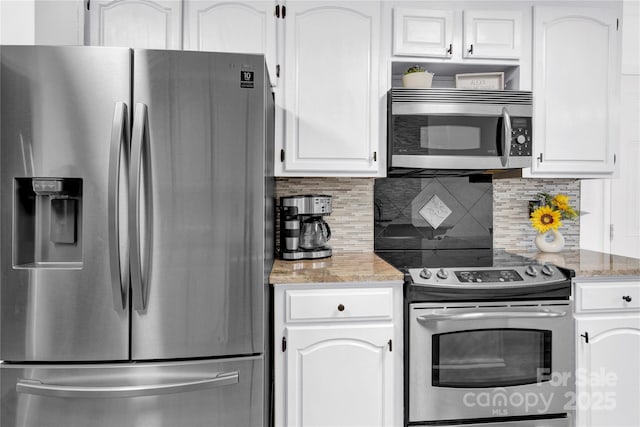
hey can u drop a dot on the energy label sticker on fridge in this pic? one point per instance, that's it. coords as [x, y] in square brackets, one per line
[246, 79]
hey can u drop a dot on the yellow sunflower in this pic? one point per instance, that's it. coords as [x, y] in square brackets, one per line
[561, 201]
[544, 219]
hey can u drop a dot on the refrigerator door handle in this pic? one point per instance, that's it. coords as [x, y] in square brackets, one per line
[35, 387]
[139, 166]
[118, 162]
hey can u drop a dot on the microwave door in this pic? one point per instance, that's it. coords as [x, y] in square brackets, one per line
[448, 141]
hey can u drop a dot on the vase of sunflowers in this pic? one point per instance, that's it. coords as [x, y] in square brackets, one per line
[547, 213]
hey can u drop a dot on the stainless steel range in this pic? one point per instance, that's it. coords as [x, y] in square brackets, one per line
[488, 334]
[486, 345]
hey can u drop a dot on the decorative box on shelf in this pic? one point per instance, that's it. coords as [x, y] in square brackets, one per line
[482, 81]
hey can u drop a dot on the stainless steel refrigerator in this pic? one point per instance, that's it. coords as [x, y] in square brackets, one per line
[136, 237]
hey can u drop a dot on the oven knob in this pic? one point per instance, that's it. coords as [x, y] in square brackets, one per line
[425, 273]
[521, 139]
[442, 273]
[531, 271]
[546, 270]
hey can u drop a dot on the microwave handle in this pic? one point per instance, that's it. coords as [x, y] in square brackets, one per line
[506, 141]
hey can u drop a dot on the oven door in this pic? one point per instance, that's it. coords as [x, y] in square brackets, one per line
[484, 360]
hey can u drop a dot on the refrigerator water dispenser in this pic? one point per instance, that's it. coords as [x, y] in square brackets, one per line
[47, 230]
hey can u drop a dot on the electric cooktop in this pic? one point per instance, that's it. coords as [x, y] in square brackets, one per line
[476, 274]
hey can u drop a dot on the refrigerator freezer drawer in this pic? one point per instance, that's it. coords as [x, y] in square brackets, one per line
[224, 392]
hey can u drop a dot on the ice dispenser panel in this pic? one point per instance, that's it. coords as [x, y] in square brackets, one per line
[47, 225]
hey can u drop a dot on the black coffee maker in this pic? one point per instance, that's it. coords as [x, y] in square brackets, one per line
[303, 232]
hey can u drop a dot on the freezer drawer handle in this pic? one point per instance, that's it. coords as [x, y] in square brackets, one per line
[479, 315]
[118, 162]
[29, 386]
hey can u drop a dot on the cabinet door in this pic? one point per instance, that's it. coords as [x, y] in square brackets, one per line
[423, 32]
[331, 102]
[492, 34]
[575, 87]
[608, 371]
[340, 376]
[140, 24]
[222, 26]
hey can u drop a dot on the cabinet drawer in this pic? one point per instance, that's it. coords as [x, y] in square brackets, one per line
[338, 304]
[608, 296]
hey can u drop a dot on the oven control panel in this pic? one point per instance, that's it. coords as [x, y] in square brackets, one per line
[487, 277]
[484, 276]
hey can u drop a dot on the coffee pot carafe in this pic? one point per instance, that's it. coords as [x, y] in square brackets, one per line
[315, 233]
[303, 231]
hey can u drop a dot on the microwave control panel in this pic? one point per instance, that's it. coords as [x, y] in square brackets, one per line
[520, 136]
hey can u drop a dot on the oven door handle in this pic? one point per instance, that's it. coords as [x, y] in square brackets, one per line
[482, 315]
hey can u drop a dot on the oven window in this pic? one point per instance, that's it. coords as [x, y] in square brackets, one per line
[447, 135]
[488, 358]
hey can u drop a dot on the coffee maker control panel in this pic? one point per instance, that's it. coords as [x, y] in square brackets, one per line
[311, 204]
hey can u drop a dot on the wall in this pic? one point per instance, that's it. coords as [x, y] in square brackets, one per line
[352, 218]
[42, 22]
[17, 24]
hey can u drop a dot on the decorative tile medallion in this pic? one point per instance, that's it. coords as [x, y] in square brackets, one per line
[435, 212]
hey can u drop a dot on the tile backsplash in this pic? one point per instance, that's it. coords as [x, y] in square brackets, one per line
[433, 213]
[352, 219]
[512, 229]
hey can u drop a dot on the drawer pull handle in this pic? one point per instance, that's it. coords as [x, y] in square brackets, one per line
[627, 298]
[340, 307]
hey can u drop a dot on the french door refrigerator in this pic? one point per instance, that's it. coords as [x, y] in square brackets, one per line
[136, 237]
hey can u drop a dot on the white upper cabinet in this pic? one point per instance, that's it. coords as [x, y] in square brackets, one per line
[223, 26]
[458, 34]
[492, 34]
[331, 90]
[141, 24]
[576, 76]
[420, 32]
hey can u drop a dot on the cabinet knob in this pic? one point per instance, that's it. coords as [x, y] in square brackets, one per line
[627, 298]
[340, 307]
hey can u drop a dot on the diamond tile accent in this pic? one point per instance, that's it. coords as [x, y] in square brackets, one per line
[435, 212]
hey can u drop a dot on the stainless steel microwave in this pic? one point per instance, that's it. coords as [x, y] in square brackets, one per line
[459, 129]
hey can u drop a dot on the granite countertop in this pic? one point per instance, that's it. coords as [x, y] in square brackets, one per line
[591, 263]
[340, 267]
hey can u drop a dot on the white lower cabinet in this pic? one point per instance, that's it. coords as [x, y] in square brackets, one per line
[608, 353]
[341, 365]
